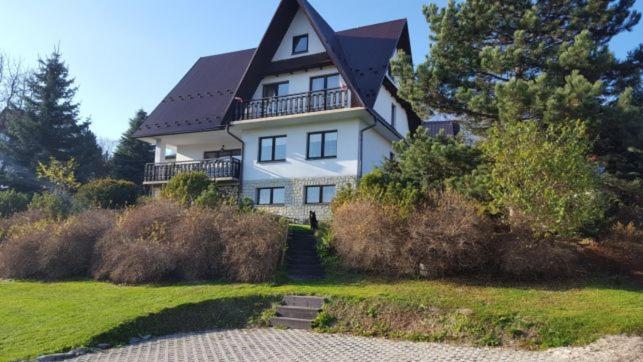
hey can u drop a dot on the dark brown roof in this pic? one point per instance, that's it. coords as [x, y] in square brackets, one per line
[201, 100]
[450, 128]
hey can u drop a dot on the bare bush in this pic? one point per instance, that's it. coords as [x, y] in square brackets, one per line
[19, 255]
[620, 250]
[369, 237]
[447, 236]
[254, 243]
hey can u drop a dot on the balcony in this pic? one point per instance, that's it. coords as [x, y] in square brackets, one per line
[299, 103]
[221, 169]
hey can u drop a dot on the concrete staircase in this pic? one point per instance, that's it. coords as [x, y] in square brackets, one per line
[302, 261]
[298, 312]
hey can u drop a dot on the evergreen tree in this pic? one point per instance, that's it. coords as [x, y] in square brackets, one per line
[131, 155]
[49, 126]
[542, 60]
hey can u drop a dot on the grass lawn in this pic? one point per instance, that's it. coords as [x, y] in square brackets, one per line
[38, 318]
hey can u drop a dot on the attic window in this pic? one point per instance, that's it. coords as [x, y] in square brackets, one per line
[300, 44]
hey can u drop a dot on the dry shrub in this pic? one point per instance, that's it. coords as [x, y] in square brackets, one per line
[19, 222]
[369, 237]
[447, 236]
[620, 250]
[254, 243]
[68, 252]
[37, 248]
[162, 240]
[138, 249]
[526, 256]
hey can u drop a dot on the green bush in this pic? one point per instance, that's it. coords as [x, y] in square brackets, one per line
[54, 205]
[544, 176]
[12, 202]
[210, 197]
[108, 193]
[186, 187]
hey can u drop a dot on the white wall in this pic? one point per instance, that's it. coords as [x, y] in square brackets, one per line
[296, 164]
[299, 26]
[383, 107]
[375, 149]
[298, 82]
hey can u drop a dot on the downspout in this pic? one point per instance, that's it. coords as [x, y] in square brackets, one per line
[361, 147]
[243, 158]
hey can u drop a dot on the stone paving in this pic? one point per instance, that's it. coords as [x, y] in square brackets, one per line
[299, 345]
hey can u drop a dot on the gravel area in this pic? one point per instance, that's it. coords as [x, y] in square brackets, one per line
[299, 345]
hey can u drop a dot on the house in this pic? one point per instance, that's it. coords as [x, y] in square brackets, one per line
[287, 124]
[450, 128]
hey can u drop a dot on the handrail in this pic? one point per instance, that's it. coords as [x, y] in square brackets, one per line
[297, 103]
[216, 169]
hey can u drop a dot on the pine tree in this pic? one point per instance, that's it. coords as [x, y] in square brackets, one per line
[543, 60]
[49, 126]
[131, 155]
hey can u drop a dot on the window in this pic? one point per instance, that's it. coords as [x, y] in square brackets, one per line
[300, 44]
[322, 145]
[272, 148]
[209, 155]
[393, 112]
[275, 89]
[320, 194]
[323, 82]
[270, 196]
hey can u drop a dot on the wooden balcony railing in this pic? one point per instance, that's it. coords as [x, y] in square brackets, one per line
[293, 104]
[217, 169]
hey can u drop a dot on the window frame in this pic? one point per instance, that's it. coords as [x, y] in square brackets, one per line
[294, 43]
[321, 194]
[263, 89]
[272, 153]
[272, 195]
[235, 152]
[323, 145]
[393, 114]
[325, 76]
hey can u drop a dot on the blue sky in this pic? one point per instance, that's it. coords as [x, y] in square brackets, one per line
[128, 54]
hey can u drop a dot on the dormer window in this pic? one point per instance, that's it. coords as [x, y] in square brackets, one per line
[300, 44]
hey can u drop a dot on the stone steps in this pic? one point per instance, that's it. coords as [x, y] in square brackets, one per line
[298, 312]
[302, 261]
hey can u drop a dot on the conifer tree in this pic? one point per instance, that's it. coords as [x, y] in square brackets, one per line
[131, 155]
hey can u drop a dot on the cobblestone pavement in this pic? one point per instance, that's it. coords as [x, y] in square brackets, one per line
[298, 345]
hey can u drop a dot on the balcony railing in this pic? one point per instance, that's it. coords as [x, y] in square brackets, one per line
[306, 102]
[217, 169]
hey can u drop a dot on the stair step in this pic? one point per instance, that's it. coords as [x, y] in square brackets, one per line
[297, 312]
[304, 301]
[293, 323]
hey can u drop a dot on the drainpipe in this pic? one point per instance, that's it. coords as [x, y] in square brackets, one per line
[243, 157]
[361, 147]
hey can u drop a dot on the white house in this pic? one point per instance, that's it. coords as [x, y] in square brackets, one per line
[290, 122]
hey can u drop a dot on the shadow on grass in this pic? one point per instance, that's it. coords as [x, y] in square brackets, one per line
[192, 317]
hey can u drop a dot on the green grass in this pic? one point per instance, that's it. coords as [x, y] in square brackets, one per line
[38, 318]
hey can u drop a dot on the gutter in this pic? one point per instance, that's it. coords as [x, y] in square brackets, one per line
[243, 157]
[361, 147]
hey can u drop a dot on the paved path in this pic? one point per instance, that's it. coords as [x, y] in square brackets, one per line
[298, 345]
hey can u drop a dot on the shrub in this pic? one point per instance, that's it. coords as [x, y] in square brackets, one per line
[210, 197]
[254, 243]
[108, 193]
[620, 249]
[369, 236]
[19, 222]
[137, 249]
[526, 256]
[545, 176]
[43, 249]
[54, 205]
[186, 187]
[447, 236]
[12, 202]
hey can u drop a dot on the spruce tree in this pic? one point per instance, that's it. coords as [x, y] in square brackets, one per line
[541, 60]
[131, 155]
[50, 126]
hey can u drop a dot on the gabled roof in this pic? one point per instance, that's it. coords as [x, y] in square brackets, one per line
[202, 100]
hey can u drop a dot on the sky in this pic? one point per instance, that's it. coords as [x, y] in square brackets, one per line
[126, 55]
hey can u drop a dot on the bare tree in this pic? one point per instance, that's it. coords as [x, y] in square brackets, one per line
[12, 82]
